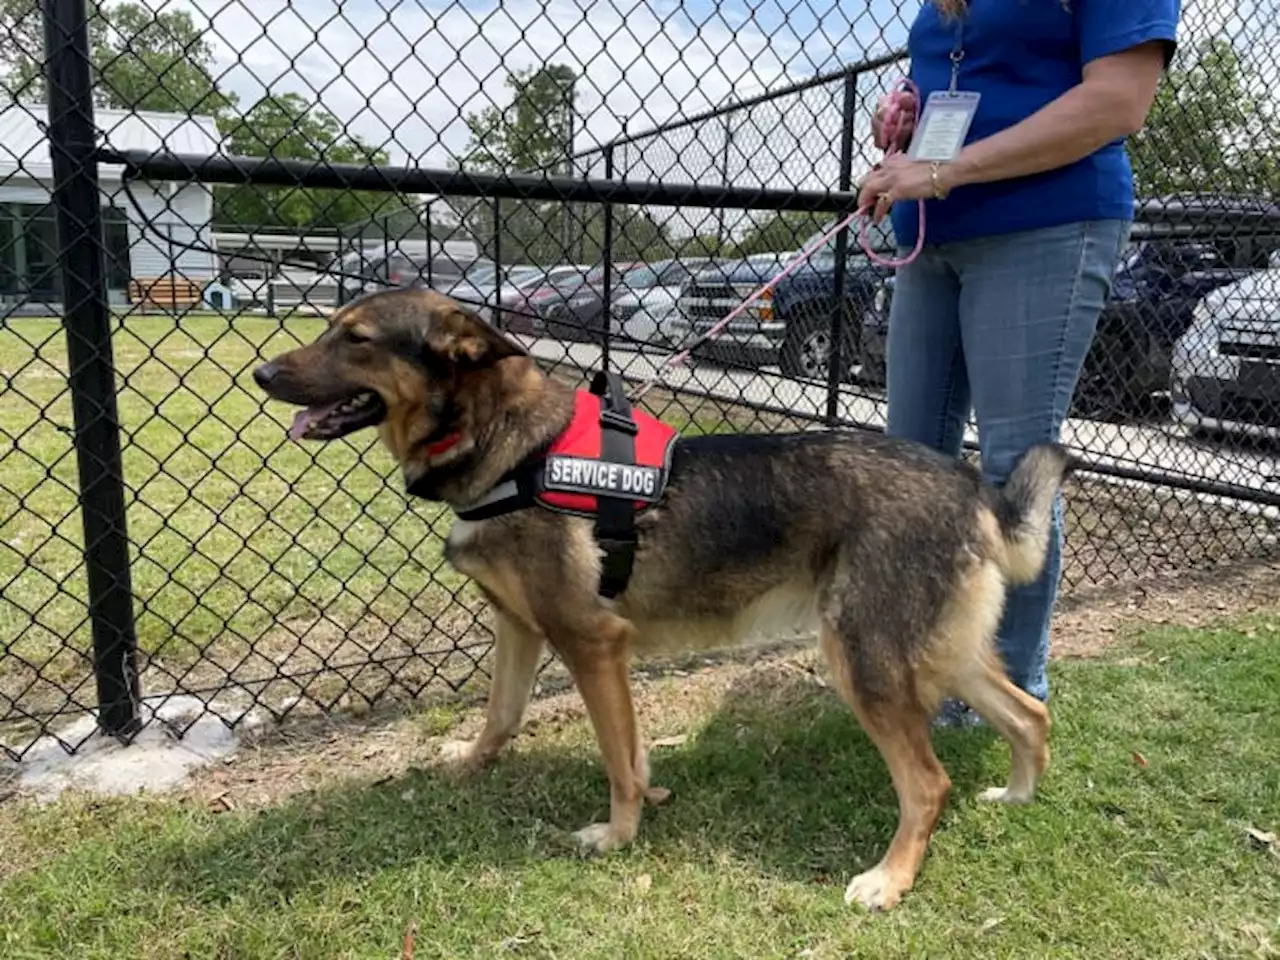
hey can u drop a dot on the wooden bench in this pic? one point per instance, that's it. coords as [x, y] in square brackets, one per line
[165, 293]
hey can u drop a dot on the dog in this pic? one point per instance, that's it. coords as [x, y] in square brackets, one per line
[898, 557]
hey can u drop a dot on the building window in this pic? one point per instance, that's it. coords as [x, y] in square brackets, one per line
[30, 264]
[9, 235]
[115, 228]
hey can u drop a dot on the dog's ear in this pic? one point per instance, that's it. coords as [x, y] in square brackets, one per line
[460, 336]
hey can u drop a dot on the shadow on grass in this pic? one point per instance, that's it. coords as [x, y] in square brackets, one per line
[782, 777]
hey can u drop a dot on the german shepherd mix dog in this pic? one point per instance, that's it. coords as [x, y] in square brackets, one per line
[898, 557]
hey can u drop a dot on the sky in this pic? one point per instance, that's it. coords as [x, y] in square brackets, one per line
[403, 74]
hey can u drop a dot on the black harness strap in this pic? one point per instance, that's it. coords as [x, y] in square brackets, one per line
[615, 515]
[615, 521]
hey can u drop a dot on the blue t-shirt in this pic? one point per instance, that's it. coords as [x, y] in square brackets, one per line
[1020, 55]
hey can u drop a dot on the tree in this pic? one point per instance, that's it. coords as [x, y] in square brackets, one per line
[699, 245]
[287, 127]
[534, 134]
[780, 233]
[1209, 130]
[142, 59]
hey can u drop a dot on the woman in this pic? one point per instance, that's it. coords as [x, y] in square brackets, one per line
[1026, 213]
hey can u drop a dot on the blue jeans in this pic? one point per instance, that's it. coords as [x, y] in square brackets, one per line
[1001, 325]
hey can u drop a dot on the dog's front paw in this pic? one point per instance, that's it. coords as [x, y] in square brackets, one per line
[460, 756]
[599, 838]
[877, 889]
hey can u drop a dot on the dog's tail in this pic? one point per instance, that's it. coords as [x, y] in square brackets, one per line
[1024, 509]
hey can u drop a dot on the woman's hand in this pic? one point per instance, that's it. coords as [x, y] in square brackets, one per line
[897, 178]
[894, 121]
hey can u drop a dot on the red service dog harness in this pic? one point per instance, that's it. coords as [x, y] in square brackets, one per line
[610, 464]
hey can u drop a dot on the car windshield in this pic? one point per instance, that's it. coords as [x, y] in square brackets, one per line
[529, 277]
[640, 278]
[480, 274]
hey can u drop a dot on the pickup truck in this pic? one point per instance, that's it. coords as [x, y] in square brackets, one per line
[754, 337]
[805, 300]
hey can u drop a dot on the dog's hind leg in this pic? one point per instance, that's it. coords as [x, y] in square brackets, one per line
[898, 724]
[973, 672]
[517, 653]
[1018, 717]
[600, 670]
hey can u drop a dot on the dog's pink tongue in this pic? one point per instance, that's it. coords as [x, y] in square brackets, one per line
[305, 418]
[300, 424]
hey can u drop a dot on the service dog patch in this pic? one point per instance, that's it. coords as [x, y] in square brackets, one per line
[574, 476]
[598, 478]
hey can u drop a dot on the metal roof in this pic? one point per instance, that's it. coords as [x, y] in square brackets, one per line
[24, 146]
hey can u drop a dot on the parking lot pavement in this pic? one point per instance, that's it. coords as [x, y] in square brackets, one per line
[1155, 447]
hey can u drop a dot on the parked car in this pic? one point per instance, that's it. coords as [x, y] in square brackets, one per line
[1158, 284]
[1159, 281]
[1226, 366]
[482, 287]
[576, 313]
[367, 271]
[516, 312]
[754, 337]
[648, 290]
[806, 299]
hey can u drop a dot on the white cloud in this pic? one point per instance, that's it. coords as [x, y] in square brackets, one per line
[403, 75]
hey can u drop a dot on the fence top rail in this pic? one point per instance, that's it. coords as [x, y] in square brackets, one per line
[766, 96]
[148, 165]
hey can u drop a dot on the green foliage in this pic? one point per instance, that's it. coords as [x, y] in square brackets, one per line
[287, 127]
[782, 232]
[143, 59]
[534, 134]
[700, 245]
[161, 60]
[1209, 129]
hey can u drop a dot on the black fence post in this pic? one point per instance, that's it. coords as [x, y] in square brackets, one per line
[497, 232]
[835, 364]
[91, 377]
[606, 256]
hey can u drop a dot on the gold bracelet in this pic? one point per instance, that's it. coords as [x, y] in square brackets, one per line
[938, 192]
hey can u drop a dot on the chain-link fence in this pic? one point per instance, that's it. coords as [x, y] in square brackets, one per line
[186, 188]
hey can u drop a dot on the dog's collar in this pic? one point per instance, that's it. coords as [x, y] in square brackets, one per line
[434, 448]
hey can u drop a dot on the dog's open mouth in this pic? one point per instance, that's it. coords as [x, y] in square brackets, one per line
[332, 420]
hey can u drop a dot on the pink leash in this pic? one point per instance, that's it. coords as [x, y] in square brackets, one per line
[891, 124]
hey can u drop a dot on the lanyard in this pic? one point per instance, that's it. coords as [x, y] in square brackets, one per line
[957, 54]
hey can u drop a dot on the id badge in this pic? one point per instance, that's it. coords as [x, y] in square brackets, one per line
[943, 125]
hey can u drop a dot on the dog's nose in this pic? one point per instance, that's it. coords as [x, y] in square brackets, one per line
[265, 374]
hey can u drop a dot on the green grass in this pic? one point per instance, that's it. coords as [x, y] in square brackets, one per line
[778, 799]
[233, 526]
[250, 552]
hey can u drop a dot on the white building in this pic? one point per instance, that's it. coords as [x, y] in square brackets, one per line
[177, 214]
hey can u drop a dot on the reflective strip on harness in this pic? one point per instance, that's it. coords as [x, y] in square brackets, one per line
[576, 475]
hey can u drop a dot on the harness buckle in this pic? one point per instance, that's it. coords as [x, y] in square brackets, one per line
[618, 421]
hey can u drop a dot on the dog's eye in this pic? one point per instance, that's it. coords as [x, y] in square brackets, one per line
[353, 337]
